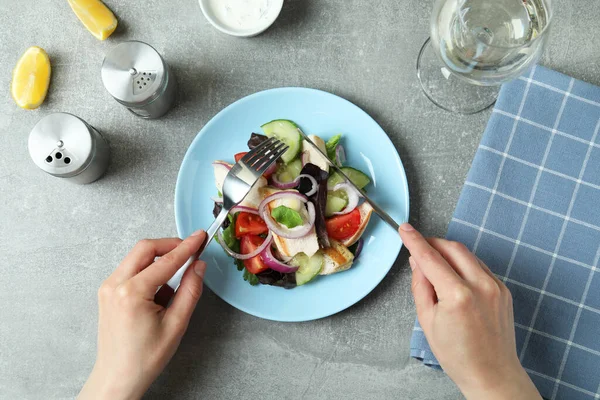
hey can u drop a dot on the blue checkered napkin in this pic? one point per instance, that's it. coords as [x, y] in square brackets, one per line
[531, 210]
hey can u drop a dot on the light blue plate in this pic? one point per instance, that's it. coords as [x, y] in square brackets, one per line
[367, 147]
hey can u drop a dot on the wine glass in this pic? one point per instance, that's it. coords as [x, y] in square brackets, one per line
[476, 45]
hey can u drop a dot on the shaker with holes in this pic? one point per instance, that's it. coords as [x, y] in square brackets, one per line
[136, 75]
[65, 146]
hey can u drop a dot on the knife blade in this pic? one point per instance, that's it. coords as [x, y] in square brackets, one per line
[378, 210]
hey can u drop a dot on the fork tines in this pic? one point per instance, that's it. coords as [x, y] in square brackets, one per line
[262, 156]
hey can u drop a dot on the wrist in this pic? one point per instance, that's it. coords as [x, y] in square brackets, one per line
[514, 386]
[100, 386]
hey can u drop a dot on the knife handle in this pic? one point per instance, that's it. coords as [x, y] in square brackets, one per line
[382, 214]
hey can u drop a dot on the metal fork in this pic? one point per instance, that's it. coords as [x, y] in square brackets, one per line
[238, 182]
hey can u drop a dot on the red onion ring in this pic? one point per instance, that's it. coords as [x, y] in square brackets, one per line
[282, 231]
[359, 248]
[352, 198]
[280, 256]
[238, 256]
[271, 170]
[273, 263]
[313, 182]
[245, 209]
[283, 185]
[340, 155]
[290, 185]
[222, 164]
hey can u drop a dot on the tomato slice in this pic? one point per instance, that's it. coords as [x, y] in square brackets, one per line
[249, 224]
[267, 173]
[238, 156]
[344, 226]
[250, 243]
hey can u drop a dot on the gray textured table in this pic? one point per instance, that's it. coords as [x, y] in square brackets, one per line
[59, 241]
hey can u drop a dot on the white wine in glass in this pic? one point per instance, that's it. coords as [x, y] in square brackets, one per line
[476, 45]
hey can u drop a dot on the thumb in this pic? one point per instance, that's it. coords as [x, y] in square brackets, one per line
[424, 294]
[179, 313]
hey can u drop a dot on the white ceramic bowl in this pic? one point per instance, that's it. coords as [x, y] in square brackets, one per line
[264, 23]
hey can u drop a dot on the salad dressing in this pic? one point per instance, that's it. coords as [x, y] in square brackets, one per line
[242, 14]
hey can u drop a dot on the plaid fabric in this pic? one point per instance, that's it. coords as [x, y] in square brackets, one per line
[529, 209]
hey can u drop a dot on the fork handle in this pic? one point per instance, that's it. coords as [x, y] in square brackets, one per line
[166, 292]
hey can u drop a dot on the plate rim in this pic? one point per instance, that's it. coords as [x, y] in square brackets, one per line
[405, 188]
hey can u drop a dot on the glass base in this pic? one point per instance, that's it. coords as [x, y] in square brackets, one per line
[446, 90]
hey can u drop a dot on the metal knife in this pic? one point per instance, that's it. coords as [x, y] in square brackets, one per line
[378, 210]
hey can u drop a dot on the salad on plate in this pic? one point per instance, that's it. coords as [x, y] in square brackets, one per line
[301, 219]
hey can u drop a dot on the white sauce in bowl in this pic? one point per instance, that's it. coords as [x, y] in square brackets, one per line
[242, 15]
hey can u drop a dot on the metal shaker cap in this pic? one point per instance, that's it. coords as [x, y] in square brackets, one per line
[133, 72]
[61, 144]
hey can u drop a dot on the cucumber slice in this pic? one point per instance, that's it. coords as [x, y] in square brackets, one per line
[299, 260]
[287, 132]
[357, 177]
[333, 180]
[289, 172]
[294, 167]
[336, 202]
[308, 267]
[285, 176]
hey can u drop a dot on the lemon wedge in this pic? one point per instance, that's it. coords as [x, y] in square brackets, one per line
[95, 16]
[31, 78]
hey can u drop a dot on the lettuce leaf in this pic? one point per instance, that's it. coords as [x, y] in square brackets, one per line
[286, 216]
[274, 278]
[250, 278]
[331, 145]
[229, 235]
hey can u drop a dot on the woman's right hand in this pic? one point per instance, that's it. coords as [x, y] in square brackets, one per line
[136, 336]
[467, 316]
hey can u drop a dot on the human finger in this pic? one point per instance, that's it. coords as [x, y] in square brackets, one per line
[165, 267]
[488, 271]
[423, 293]
[435, 268]
[142, 255]
[184, 303]
[460, 258]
